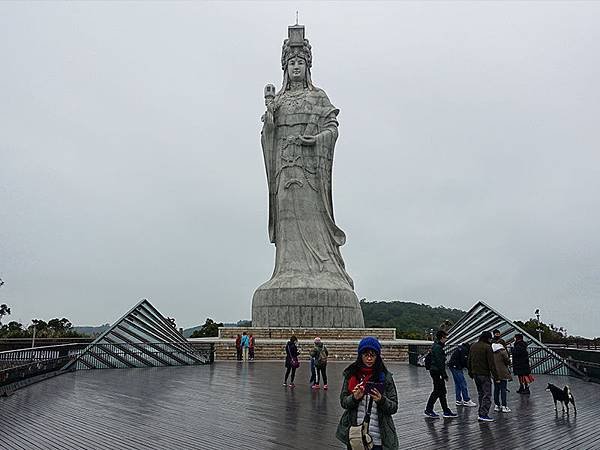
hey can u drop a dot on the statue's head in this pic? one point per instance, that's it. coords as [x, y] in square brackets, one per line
[296, 57]
[296, 69]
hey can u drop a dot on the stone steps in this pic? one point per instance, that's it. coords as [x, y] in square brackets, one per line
[338, 350]
[309, 333]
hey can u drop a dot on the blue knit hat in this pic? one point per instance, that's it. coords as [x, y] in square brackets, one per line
[369, 342]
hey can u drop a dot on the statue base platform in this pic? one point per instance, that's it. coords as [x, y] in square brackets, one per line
[306, 307]
[341, 342]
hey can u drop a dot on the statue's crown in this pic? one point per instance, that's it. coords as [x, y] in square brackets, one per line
[296, 45]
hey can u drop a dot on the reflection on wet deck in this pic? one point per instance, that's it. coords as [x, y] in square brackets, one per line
[233, 405]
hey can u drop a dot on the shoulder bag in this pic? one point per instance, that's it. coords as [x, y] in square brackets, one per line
[359, 436]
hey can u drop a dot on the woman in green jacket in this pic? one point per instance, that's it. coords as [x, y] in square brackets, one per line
[361, 382]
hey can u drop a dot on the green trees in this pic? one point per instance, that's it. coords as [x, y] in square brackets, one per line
[209, 329]
[550, 333]
[54, 328]
[4, 311]
[411, 320]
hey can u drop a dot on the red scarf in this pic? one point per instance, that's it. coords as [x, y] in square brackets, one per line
[363, 374]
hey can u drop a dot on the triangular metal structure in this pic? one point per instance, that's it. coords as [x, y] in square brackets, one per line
[143, 337]
[483, 317]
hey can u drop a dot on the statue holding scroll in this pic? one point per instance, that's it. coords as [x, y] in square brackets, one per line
[309, 286]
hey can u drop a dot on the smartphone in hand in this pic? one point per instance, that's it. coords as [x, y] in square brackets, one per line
[370, 386]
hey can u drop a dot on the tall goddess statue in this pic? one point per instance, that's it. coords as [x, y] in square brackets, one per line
[309, 286]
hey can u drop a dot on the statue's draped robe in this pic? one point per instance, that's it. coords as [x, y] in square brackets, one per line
[301, 222]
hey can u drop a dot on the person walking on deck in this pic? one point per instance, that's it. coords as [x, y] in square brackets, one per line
[291, 360]
[238, 347]
[320, 353]
[502, 361]
[251, 348]
[439, 377]
[245, 343]
[314, 378]
[458, 362]
[481, 367]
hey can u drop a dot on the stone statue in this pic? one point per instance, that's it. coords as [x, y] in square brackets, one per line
[309, 286]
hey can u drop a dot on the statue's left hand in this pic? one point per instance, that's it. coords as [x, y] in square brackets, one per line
[308, 140]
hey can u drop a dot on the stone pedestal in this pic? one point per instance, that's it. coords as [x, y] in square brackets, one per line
[306, 307]
[341, 342]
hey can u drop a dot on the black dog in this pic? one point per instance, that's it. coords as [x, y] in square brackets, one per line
[562, 395]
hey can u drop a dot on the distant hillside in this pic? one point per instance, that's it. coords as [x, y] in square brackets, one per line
[410, 319]
[92, 331]
[188, 331]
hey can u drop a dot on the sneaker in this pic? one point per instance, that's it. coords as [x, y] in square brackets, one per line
[497, 408]
[459, 403]
[291, 385]
[316, 386]
[485, 419]
[431, 414]
[325, 387]
[470, 403]
[449, 414]
[506, 409]
[284, 384]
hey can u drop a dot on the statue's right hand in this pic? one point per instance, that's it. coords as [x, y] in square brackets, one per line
[268, 117]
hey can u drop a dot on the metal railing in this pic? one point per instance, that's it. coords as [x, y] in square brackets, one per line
[7, 344]
[577, 345]
[131, 355]
[19, 368]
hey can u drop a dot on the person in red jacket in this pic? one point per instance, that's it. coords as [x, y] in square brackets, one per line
[251, 349]
[238, 347]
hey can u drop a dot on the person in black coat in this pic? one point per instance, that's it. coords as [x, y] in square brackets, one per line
[520, 361]
[291, 360]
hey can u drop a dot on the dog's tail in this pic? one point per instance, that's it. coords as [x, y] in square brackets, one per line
[569, 394]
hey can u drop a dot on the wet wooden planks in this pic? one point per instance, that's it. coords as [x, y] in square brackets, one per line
[232, 405]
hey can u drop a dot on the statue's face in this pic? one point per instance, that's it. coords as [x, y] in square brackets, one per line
[296, 69]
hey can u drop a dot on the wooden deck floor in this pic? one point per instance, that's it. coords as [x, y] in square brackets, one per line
[243, 406]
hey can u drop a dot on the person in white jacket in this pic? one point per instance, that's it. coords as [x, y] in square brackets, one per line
[502, 362]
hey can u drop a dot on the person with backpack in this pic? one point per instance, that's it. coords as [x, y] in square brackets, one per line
[314, 379]
[320, 353]
[291, 360]
[369, 399]
[245, 343]
[458, 362]
[437, 371]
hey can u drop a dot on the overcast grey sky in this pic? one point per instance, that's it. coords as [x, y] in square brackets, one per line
[467, 168]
